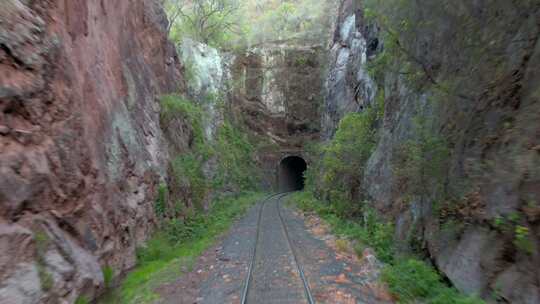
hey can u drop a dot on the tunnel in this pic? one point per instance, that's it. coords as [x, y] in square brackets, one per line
[291, 174]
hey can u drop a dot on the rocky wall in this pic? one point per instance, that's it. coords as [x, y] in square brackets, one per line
[489, 127]
[277, 95]
[80, 143]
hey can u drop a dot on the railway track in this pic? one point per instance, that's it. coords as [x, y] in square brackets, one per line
[247, 290]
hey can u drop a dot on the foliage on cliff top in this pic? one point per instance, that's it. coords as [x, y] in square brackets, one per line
[232, 24]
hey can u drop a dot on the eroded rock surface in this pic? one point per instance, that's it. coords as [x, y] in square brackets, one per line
[493, 142]
[80, 143]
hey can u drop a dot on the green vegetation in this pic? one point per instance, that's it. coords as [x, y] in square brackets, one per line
[342, 245]
[160, 207]
[187, 168]
[421, 163]
[513, 225]
[273, 20]
[412, 280]
[301, 61]
[45, 278]
[368, 230]
[214, 22]
[334, 192]
[232, 24]
[236, 165]
[188, 223]
[108, 276]
[338, 177]
[522, 239]
[188, 173]
[177, 107]
[409, 279]
[176, 246]
[82, 300]
[231, 149]
[42, 242]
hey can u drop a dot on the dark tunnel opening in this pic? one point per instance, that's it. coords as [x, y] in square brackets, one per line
[291, 174]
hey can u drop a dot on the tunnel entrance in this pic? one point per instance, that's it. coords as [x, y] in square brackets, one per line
[291, 173]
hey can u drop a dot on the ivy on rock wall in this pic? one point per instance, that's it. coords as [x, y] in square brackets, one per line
[205, 167]
[338, 177]
[236, 166]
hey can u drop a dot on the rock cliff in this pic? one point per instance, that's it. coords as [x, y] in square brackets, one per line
[478, 220]
[273, 91]
[277, 96]
[80, 143]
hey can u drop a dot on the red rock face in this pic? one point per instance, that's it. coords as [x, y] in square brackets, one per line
[80, 145]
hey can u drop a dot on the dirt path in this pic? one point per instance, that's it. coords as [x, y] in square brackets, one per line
[334, 277]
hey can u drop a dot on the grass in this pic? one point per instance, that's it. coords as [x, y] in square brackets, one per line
[82, 300]
[108, 275]
[410, 280]
[42, 242]
[342, 245]
[174, 249]
[188, 168]
[370, 232]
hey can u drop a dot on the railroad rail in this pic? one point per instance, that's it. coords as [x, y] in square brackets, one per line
[249, 276]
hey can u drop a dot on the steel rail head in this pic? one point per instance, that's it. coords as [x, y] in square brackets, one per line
[307, 290]
[245, 292]
[254, 253]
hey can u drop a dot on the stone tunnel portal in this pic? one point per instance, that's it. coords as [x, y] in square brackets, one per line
[291, 174]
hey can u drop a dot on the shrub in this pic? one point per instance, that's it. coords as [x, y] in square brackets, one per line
[343, 161]
[359, 248]
[188, 172]
[236, 161]
[342, 245]
[421, 163]
[82, 300]
[177, 232]
[45, 278]
[42, 242]
[522, 239]
[182, 230]
[160, 208]
[411, 280]
[177, 107]
[108, 276]
[368, 230]
[408, 279]
[231, 150]
[158, 248]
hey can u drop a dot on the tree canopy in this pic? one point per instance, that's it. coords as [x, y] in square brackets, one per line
[241, 23]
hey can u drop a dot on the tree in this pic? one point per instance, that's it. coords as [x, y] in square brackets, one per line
[208, 21]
